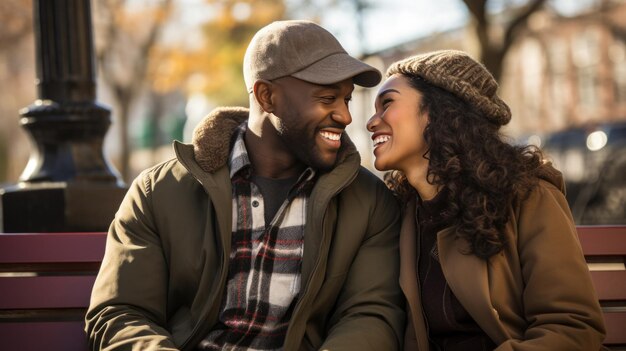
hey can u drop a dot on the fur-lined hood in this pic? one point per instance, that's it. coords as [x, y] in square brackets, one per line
[211, 138]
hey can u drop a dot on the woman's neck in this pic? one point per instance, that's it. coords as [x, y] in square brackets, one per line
[417, 177]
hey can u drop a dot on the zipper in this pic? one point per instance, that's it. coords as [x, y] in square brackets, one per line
[202, 329]
[318, 261]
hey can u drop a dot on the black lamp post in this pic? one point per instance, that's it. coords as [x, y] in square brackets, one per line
[67, 184]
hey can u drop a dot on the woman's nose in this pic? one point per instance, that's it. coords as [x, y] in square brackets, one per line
[372, 123]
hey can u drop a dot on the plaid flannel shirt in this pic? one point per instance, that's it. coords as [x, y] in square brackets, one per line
[265, 262]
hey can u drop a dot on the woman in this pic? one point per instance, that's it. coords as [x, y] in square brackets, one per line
[489, 253]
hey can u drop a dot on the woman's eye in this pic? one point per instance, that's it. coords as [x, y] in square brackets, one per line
[386, 103]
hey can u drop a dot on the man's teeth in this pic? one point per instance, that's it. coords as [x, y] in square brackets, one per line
[331, 136]
[381, 139]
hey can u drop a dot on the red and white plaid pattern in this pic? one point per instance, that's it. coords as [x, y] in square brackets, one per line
[265, 263]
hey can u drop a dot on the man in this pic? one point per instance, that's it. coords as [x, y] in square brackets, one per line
[265, 234]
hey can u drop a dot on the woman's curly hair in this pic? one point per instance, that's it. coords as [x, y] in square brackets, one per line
[484, 175]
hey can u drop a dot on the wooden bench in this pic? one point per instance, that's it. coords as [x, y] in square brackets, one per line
[46, 281]
[45, 285]
[605, 251]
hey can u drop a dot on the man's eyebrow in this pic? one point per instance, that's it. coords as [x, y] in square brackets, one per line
[387, 91]
[333, 87]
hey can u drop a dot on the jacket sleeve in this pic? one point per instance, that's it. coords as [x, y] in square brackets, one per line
[369, 313]
[128, 302]
[559, 301]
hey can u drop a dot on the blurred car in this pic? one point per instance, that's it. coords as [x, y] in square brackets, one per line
[593, 161]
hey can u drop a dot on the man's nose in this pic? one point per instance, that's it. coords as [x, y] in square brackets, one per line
[342, 115]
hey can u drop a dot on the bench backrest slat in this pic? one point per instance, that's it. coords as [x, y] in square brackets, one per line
[45, 286]
[615, 323]
[45, 292]
[66, 336]
[602, 240]
[610, 285]
[604, 248]
[51, 247]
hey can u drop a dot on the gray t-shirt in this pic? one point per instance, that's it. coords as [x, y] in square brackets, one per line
[274, 193]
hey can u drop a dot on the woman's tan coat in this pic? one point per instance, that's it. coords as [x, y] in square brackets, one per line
[534, 295]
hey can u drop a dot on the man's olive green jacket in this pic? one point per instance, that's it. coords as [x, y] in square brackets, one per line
[165, 267]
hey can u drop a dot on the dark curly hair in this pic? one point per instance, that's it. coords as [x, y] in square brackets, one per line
[467, 156]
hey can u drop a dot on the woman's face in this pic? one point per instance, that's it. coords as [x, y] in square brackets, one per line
[398, 126]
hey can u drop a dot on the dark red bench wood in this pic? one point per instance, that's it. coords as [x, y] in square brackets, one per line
[45, 285]
[46, 281]
[605, 251]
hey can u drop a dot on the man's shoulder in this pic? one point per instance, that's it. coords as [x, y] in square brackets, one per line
[367, 199]
[166, 173]
[366, 177]
[368, 185]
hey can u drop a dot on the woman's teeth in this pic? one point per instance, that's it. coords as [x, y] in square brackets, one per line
[381, 139]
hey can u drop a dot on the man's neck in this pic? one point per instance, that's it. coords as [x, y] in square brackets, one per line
[267, 153]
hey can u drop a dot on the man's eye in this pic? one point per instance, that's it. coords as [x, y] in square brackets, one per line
[328, 99]
[347, 100]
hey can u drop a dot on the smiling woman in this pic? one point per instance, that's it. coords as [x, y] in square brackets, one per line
[485, 222]
[398, 126]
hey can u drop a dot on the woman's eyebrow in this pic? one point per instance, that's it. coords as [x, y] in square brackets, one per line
[387, 91]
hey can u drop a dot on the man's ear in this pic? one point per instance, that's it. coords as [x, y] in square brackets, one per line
[263, 93]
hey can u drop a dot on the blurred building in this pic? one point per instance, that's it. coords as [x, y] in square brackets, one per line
[567, 71]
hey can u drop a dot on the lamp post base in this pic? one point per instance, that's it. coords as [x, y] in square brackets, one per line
[59, 206]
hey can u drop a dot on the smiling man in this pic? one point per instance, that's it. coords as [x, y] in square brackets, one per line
[265, 233]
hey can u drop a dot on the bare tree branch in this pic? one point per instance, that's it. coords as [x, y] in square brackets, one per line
[478, 9]
[492, 53]
[519, 22]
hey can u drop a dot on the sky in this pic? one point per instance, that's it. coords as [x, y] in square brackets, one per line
[393, 22]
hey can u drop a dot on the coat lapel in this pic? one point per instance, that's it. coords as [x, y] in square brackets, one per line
[408, 276]
[468, 277]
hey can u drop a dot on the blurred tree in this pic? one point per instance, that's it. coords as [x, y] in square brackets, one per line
[226, 37]
[126, 32]
[494, 48]
[17, 90]
[16, 17]
[214, 66]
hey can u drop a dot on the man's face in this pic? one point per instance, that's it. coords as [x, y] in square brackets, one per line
[310, 119]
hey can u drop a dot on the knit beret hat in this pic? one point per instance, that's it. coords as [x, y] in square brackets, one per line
[456, 72]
